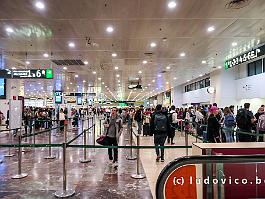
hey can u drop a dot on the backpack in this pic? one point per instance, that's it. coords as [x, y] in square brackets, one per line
[137, 116]
[160, 122]
[261, 122]
[170, 118]
[229, 120]
[242, 119]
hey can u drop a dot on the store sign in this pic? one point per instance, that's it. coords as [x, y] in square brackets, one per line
[58, 97]
[27, 73]
[245, 57]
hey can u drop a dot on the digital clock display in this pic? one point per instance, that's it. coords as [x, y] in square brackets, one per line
[248, 56]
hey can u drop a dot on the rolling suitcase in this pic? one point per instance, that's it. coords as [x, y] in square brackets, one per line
[146, 129]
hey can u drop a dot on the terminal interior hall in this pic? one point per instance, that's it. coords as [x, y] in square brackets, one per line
[124, 99]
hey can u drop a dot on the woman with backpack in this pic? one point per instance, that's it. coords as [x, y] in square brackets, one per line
[229, 125]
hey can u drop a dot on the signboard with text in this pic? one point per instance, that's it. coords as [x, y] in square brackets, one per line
[27, 73]
[245, 57]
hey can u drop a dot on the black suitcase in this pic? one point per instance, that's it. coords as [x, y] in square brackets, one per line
[146, 129]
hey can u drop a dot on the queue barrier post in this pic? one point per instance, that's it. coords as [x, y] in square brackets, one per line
[186, 143]
[9, 150]
[100, 126]
[84, 159]
[50, 156]
[138, 175]
[64, 193]
[131, 156]
[94, 133]
[20, 174]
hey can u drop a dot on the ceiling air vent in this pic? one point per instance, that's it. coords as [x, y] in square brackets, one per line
[68, 62]
[148, 54]
[163, 71]
[237, 4]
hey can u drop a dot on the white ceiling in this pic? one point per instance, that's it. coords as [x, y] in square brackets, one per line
[136, 24]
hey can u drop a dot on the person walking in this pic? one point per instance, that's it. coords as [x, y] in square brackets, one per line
[160, 126]
[113, 130]
[61, 119]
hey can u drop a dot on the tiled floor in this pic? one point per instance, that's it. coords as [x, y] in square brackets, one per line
[90, 180]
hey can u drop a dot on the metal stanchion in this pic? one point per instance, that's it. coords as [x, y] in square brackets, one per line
[9, 150]
[34, 130]
[88, 123]
[186, 143]
[82, 121]
[131, 157]
[50, 156]
[100, 126]
[65, 192]
[94, 133]
[65, 135]
[138, 175]
[84, 159]
[19, 175]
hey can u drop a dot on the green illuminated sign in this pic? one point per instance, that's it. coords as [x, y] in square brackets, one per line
[49, 74]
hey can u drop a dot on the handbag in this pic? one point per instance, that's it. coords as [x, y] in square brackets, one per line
[103, 139]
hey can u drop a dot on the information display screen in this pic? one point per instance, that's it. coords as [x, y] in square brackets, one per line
[79, 100]
[27, 73]
[58, 97]
[2, 88]
[248, 56]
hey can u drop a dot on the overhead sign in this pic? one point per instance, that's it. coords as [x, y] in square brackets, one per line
[248, 56]
[58, 97]
[27, 73]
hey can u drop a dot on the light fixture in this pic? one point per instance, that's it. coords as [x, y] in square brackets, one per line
[188, 80]
[137, 78]
[116, 68]
[219, 67]
[175, 78]
[119, 81]
[200, 75]
[114, 54]
[27, 62]
[13, 68]
[94, 72]
[182, 54]
[168, 67]
[9, 30]
[84, 81]
[153, 80]
[46, 55]
[103, 83]
[153, 44]
[109, 29]
[159, 75]
[144, 62]
[99, 78]
[211, 29]
[65, 68]
[71, 83]
[167, 82]
[106, 86]
[171, 4]
[149, 84]
[85, 62]
[117, 75]
[234, 44]
[203, 62]
[76, 75]
[140, 72]
[40, 5]
[71, 44]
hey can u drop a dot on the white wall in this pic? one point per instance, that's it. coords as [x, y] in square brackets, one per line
[197, 96]
[177, 96]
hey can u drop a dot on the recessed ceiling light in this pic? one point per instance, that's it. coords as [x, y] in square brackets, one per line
[13, 68]
[172, 4]
[156, 88]
[234, 44]
[109, 29]
[85, 62]
[159, 75]
[153, 80]
[211, 29]
[140, 72]
[137, 78]
[117, 75]
[27, 62]
[149, 84]
[114, 54]
[106, 86]
[168, 67]
[175, 78]
[39, 5]
[188, 80]
[67, 87]
[119, 81]
[200, 75]
[84, 81]
[116, 68]
[182, 54]
[76, 75]
[144, 62]
[65, 68]
[219, 67]
[46, 55]
[167, 82]
[9, 30]
[153, 44]
[71, 83]
[203, 62]
[71, 44]
[99, 78]
[94, 72]
[103, 83]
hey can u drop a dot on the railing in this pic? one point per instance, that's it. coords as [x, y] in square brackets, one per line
[206, 159]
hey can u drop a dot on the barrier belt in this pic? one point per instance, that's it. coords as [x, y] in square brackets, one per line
[72, 140]
[40, 132]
